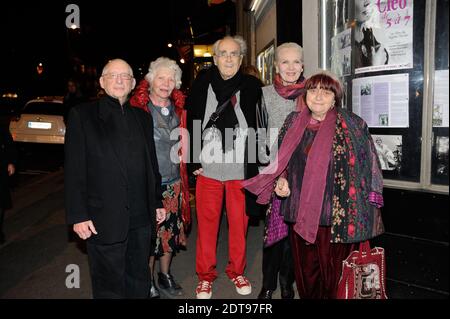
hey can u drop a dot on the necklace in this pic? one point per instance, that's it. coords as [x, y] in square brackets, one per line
[165, 111]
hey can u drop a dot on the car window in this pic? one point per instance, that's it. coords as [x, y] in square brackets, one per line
[44, 108]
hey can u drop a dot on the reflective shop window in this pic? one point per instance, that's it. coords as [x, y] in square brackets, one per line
[376, 47]
[439, 158]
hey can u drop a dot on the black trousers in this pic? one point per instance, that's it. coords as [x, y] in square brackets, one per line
[277, 259]
[121, 270]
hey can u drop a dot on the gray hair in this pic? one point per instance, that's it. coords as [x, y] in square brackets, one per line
[163, 62]
[289, 45]
[237, 38]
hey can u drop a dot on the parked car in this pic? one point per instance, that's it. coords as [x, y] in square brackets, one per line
[40, 121]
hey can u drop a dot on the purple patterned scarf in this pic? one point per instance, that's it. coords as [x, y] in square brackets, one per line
[289, 92]
[314, 180]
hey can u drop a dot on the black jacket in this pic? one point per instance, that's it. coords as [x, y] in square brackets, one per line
[94, 175]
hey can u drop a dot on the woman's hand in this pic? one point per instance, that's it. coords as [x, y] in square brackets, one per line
[198, 172]
[282, 187]
[161, 215]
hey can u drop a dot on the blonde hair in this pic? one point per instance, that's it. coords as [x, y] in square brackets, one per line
[289, 45]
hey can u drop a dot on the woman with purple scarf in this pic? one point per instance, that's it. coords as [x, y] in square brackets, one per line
[279, 100]
[328, 175]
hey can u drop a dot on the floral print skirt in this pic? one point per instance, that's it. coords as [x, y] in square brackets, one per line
[170, 234]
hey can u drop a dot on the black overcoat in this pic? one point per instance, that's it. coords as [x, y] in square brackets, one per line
[94, 177]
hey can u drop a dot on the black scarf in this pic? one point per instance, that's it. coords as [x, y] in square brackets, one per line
[224, 90]
[249, 99]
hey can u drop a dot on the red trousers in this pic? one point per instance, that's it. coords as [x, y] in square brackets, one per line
[318, 266]
[209, 198]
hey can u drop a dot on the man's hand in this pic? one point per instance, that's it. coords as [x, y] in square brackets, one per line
[84, 229]
[160, 215]
[198, 172]
[11, 169]
[282, 187]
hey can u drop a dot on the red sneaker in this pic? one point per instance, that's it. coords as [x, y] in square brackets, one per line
[204, 289]
[243, 286]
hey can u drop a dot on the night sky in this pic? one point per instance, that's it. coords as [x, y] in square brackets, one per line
[137, 31]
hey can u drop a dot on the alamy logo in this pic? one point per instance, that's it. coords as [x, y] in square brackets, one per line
[73, 19]
[249, 145]
[73, 279]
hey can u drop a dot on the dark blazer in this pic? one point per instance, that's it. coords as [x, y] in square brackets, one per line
[95, 187]
[8, 155]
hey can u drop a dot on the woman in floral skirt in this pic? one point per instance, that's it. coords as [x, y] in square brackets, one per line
[158, 94]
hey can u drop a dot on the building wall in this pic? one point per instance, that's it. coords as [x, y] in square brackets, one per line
[266, 27]
[310, 25]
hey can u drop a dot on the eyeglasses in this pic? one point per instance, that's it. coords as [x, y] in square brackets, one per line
[316, 91]
[224, 54]
[114, 76]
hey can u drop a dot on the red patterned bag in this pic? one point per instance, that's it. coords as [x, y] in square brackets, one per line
[363, 274]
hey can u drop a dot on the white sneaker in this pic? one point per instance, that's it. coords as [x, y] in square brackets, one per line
[243, 286]
[204, 289]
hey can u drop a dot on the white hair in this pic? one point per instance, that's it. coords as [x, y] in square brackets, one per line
[289, 45]
[163, 62]
[237, 38]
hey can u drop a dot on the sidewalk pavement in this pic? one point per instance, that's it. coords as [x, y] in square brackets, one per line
[183, 264]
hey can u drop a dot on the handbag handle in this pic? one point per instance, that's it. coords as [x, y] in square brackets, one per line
[364, 248]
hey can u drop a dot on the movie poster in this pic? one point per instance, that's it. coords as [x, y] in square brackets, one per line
[383, 35]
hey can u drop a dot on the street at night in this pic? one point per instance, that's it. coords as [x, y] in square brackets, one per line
[41, 248]
[92, 92]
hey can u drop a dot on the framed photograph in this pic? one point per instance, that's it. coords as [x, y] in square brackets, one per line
[389, 149]
[442, 156]
[383, 119]
[265, 63]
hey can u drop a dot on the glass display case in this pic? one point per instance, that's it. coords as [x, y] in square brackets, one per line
[380, 49]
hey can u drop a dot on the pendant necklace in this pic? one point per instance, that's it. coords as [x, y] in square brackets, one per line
[165, 111]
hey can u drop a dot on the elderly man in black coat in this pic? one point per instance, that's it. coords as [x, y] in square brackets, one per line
[113, 186]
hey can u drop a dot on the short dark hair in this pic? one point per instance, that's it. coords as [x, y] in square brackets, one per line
[326, 82]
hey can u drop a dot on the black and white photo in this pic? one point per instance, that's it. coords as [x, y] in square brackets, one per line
[389, 149]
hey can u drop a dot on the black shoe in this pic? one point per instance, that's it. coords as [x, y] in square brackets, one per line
[265, 294]
[154, 292]
[287, 292]
[168, 285]
[2, 238]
